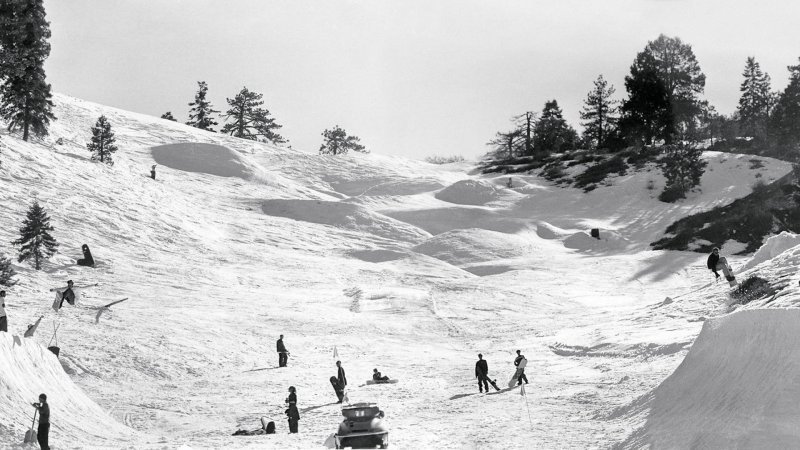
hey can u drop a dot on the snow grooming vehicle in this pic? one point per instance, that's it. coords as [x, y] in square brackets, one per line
[362, 427]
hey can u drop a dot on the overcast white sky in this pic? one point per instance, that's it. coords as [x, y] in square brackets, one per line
[411, 78]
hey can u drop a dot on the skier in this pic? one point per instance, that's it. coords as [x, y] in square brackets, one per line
[715, 263]
[482, 373]
[68, 295]
[283, 354]
[292, 413]
[87, 259]
[341, 379]
[520, 362]
[44, 422]
[3, 317]
[377, 376]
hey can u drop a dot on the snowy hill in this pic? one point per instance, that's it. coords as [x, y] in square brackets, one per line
[400, 265]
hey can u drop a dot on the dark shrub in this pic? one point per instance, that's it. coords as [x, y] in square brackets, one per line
[751, 289]
[671, 194]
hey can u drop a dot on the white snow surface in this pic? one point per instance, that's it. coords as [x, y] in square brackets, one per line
[773, 247]
[399, 265]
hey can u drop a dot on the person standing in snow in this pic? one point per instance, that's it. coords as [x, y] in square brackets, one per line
[3, 317]
[341, 378]
[520, 362]
[292, 413]
[482, 373]
[43, 433]
[153, 172]
[283, 354]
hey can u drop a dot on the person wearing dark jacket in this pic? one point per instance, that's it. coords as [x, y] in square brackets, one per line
[713, 260]
[292, 413]
[283, 354]
[3, 317]
[87, 259]
[377, 376]
[341, 377]
[43, 433]
[518, 363]
[482, 373]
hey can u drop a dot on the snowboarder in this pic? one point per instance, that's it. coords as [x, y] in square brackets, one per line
[87, 259]
[68, 295]
[715, 263]
[292, 413]
[44, 422]
[520, 362]
[482, 373]
[153, 172]
[267, 427]
[341, 379]
[377, 376]
[3, 317]
[509, 184]
[283, 354]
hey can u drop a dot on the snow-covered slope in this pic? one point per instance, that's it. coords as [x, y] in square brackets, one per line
[400, 265]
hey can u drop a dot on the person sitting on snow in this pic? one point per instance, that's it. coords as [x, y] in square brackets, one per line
[377, 376]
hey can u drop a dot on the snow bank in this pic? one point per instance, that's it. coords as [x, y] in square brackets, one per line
[471, 192]
[342, 215]
[736, 388]
[202, 158]
[547, 231]
[609, 240]
[26, 370]
[463, 247]
[772, 248]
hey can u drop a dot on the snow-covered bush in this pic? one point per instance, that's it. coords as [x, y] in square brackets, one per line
[751, 289]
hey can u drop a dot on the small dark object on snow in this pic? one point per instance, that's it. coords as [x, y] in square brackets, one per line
[596, 233]
[153, 172]
[55, 350]
[87, 259]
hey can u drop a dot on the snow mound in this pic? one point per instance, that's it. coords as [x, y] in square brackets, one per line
[772, 248]
[609, 240]
[440, 220]
[471, 192]
[26, 370]
[377, 256]
[464, 247]
[202, 158]
[736, 388]
[548, 231]
[343, 215]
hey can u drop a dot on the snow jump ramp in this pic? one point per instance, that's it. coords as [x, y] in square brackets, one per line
[738, 387]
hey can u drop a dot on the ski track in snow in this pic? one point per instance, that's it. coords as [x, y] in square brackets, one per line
[405, 266]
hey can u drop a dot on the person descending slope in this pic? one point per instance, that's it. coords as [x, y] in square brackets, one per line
[283, 354]
[715, 263]
[67, 294]
[3, 318]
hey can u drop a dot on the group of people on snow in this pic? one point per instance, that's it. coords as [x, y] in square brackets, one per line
[482, 372]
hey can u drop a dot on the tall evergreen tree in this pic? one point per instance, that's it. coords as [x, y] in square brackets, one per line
[168, 116]
[785, 120]
[6, 272]
[25, 98]
[35, 240]
[102, 144]
[337, 142]
[756, 100]
[249, 121]
[646, 113]
[201, 111]
[599, 113]
[552, 133]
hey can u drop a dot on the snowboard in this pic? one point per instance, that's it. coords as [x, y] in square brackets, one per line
[336, 388]
[494, 384]
[513, 381]
[728, 272]
[381, 381]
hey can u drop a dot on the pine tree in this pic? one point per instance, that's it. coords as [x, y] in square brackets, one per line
[646, 113]
[337, 142]
[785, 120]
[552, 133]
[599, 113]
[682, 166]
[6, 272]
[35, 240]
[508, 142]
[249, 120]
[102, 143]
[25, 98]
[168, 116]
[201, 111]
[756, 100]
